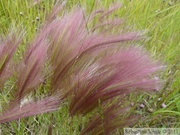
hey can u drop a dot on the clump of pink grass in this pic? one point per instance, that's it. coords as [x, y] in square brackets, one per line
[90, 67]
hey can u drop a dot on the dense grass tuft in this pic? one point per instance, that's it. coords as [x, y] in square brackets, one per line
[158, 18]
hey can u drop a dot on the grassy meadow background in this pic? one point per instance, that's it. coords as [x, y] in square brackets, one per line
[160, 19]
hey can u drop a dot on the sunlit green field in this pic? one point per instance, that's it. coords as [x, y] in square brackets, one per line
[160, 21]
